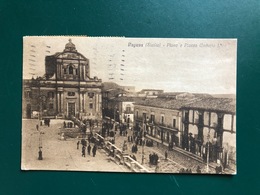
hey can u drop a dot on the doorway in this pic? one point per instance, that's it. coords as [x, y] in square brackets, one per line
[28, 111]
[71, 109]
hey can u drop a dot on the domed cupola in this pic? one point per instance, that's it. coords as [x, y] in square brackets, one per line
[70, 46]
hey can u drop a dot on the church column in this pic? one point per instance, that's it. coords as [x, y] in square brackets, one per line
[80, 101]
[96, 102]
[62, 110]
[61, 71]
[100, 103]
[58, 101]
[83, 102]
[84, 70]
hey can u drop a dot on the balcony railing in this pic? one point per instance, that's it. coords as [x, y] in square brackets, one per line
[128, 112]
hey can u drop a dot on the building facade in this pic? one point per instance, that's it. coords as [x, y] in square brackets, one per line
[200, 124]
[161, 119]
[65, 90]
[209, 128]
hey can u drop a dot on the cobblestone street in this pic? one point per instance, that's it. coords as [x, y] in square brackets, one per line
[164, 165]
[175, 160]
[59, 154]
[63, 154]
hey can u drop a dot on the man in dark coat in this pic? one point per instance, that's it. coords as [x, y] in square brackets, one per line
[166, 155]
[83, 151]
[77, 145]
[89, 149]
[94, 150]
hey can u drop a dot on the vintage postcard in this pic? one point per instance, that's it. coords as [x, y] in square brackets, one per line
[115, 104]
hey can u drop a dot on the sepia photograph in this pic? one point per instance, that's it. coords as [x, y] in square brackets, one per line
[117, 104]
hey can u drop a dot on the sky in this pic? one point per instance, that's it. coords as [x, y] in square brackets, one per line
[174, 65]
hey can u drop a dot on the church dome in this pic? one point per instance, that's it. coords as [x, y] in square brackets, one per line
[70, 46]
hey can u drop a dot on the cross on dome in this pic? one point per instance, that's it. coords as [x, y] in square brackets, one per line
[70, 46]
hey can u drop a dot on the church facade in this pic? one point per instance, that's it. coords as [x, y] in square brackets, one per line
[65, 90]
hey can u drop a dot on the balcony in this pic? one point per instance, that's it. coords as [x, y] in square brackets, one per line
[128, 112]
[168, 127]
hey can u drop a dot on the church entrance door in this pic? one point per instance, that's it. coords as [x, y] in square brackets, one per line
[71, 109]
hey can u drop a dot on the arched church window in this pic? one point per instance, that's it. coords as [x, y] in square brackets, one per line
[76, 71]
[71, 93]
[70, 69]
[65, 71]
[50, 95]
[128, 108]
[91, 95]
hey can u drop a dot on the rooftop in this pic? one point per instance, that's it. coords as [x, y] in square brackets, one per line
[128, 99]
[162, 103]
[227, 105]
[214, 104]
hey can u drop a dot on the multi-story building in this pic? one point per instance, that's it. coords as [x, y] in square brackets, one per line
[209, 127]
[118, 102]
[66, 89]
[197, 123]
[161, 119]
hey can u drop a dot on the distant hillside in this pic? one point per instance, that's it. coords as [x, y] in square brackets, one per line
[233, 96]
[113, 88]
[110, 85]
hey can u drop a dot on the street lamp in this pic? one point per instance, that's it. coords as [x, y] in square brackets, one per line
[144, 127]
[42, 98]
[142, 150]
[115, 110]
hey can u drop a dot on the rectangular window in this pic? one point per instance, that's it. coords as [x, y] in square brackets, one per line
[51, 106]
[28, 94]
[174, 122]
[44, 107]
[152, 118]
[51, 95]
[128, 109]
[144, 117]
[162, 119]
[91, 106]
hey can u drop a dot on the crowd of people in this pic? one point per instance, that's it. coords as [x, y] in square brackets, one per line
[68, 124]
[45, 121]
[153, 159]
[84, 144]
[218, 170]
[134, 137]
[182, 170]
[134, 148]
